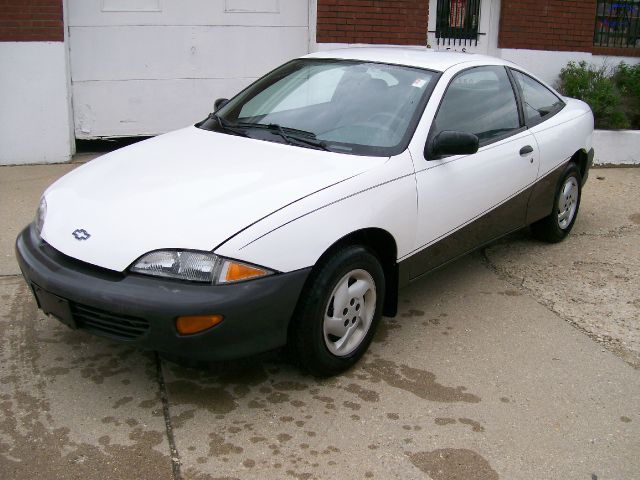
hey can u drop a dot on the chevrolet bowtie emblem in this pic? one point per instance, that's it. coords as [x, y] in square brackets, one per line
[81, 234]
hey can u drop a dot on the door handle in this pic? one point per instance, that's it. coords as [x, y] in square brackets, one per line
[526, 150]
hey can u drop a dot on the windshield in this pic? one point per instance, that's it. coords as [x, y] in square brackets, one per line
[353, 107]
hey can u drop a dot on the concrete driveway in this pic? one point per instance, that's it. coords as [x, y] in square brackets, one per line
[483, 375]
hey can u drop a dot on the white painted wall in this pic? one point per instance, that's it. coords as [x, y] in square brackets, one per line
[616, 147]
[35, 105]
[144, 67]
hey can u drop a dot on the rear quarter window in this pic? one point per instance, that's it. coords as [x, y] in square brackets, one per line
[539, 102]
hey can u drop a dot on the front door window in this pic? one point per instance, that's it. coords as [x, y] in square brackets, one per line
[479, 101]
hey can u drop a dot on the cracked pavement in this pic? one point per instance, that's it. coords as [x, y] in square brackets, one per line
[519, 361]
[593, 279]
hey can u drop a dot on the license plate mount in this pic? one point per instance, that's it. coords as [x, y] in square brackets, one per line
[54, 306]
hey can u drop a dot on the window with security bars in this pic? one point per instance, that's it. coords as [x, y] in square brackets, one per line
[617, 24]
[457, 22]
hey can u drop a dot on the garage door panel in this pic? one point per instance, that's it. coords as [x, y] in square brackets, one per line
[143, 67]
[126, 53]
[193, 12]
[143, 107]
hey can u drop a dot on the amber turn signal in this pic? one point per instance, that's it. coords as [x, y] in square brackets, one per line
[196, 323]
[236, 272]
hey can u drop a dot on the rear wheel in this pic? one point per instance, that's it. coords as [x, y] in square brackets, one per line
[338, 312]
[559, 223]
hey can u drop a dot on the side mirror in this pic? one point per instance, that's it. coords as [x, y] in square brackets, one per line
[449, 142]
[219, 103]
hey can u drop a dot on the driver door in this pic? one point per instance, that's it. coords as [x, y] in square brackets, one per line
[465, 201]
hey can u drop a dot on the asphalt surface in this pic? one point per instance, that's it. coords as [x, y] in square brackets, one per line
[517, 362]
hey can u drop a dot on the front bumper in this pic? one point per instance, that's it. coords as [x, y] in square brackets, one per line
[141, 310]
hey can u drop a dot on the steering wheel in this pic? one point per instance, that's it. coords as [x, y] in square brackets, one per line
[373, 125]
[392, 119]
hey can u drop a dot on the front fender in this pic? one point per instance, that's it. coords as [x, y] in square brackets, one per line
[296, 237]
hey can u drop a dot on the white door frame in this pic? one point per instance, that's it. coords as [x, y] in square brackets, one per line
[488, 30]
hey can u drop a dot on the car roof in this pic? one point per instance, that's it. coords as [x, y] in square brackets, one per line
[421, 57]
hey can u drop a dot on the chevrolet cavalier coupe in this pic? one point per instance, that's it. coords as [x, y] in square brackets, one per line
[294, 213]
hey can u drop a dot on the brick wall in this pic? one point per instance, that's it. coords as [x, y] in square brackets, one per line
[401, 22]
[31, 20]
[547, 24]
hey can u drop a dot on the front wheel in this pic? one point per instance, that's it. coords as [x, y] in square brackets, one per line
[338, 312]
[559, 223]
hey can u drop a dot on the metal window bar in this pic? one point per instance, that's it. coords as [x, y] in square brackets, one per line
[457, 21]
[617, 24]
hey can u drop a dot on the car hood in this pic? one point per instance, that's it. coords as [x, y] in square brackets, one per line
[189, 189]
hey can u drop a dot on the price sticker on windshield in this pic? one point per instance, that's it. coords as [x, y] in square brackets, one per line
[419, 83]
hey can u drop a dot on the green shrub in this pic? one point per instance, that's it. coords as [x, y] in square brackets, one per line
[627, 79]
[595, 86]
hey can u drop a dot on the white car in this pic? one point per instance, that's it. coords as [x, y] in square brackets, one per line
[294, 212]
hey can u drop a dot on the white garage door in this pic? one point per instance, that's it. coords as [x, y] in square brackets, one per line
[143, 67]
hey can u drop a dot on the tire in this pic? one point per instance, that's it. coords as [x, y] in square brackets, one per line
[327, 338]
[566, 202]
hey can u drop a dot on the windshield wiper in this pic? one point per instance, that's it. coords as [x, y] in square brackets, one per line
[292, 136]
[319, 144]
[280, 131]
[225, 126]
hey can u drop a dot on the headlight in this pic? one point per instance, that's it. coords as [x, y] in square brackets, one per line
[196, 267]
[40, 214]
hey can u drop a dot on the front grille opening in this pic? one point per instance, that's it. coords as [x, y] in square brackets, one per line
[104, 323]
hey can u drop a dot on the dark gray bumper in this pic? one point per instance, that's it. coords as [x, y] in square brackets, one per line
[141, 310]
